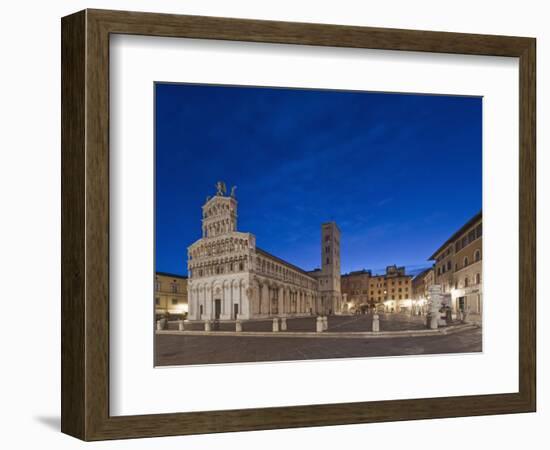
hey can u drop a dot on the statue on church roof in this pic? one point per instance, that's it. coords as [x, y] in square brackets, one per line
[220, 188]
[233, 193]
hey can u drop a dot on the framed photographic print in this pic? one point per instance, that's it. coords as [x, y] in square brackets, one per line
[273, 225]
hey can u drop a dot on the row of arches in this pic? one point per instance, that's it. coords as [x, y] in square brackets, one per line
[218, 247]
[218, 267]
[217, 209]
[273, 299]
[222, 299]
[219, 227]
[225, 299]
[272, 268]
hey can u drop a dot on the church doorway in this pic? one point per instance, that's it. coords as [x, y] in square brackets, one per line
[235, 310]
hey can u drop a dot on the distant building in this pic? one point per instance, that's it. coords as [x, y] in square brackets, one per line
[170, 293]
[458, 267]
[397, 291]
[421, 282]
[391, 291]
[355, 290]
[230, 278]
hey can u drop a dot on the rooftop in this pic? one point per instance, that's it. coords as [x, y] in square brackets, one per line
[282, 261]
[456, 234]
[423, 273]
[171, 275]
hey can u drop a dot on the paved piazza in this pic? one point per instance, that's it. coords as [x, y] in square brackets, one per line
[193, 349]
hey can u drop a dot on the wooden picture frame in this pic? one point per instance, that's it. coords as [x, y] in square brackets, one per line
[85, 224]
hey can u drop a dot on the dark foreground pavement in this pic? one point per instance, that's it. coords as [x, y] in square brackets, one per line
[173, 350]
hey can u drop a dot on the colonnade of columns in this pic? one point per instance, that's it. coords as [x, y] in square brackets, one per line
[278, 299]
[223, 299]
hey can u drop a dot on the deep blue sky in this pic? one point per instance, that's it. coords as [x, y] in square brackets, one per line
[398, 172]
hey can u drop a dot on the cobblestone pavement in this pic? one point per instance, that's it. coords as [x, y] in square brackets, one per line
[184, 350]
[363, 322]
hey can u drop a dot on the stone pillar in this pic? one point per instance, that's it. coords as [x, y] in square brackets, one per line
[320, 324]
[246, 302]
[181, 327]
[207, 326]
[283, 323]
[375, 323]
[210, 303]
[238, 326]
[160, 324]
[275, 324]
[265, 300]
[325, 323]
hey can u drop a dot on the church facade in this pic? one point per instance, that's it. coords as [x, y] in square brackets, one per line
[231, 278]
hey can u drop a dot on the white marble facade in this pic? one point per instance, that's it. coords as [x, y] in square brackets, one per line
[230, 278]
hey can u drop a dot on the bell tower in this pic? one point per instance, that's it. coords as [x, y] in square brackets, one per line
[330, 269]
[219, 213]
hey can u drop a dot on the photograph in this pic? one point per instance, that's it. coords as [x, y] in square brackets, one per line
[307, 224]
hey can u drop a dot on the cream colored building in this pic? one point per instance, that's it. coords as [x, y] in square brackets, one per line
[458, 268]
[391, 291]
[170, 294]
[396, 288]
[230, 278]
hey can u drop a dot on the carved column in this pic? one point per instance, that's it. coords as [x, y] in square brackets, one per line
[259, 299]
[280, 297]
